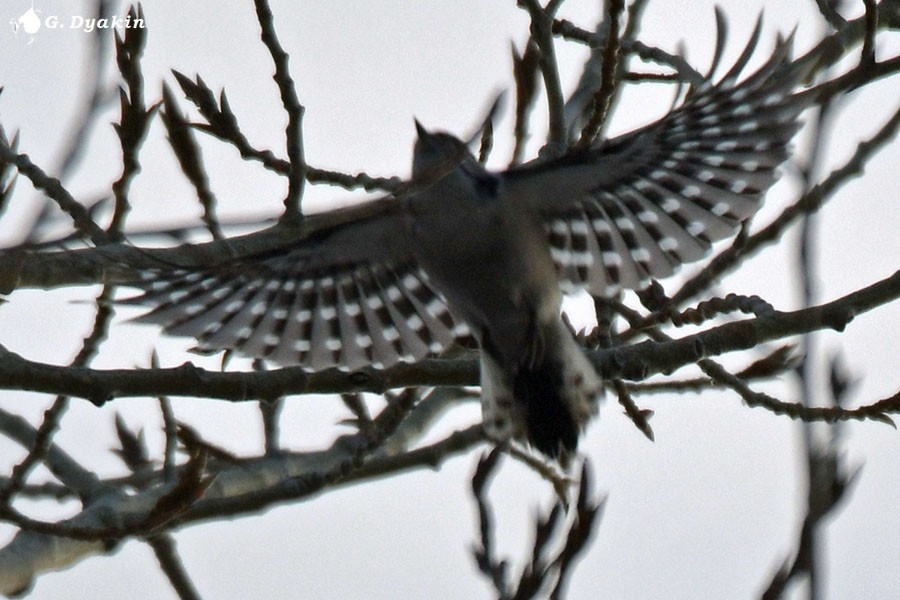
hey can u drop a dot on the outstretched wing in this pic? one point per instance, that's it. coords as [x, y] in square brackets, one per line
[346, 296]
[637, 206]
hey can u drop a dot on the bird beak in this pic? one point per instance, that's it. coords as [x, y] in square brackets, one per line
[421, 131]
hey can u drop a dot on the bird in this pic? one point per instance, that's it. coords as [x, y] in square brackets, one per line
[471, 252]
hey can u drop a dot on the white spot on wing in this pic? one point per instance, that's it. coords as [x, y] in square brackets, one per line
[668, 243]
[691, 191]
[612, 259]
[600, 225]
[721, 208]
[738, 186]
[624, 224]
[670, 205]
[411, 282]
[695, 228]
[414, 322]
[648, 216]
[435, 307]
[460, 330]
[642, 185]
[640, 255]
[559, 228]
[579, 227]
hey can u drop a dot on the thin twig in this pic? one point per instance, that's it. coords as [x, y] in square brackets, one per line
[166, 553]
[190, 158]
[293, 108]
[542, 33]
[608, 75]
[135, 117]
[54, 190]
[808, 203]
[52, 417]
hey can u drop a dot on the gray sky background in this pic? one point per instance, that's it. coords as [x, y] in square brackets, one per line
[707, 511]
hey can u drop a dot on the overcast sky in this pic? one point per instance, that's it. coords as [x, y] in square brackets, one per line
[707, 511]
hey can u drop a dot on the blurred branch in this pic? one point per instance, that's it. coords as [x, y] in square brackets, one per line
[293, 108]
[84, 483]
[640, 417]
[135, 116]
[166, 553]
[636, 361]
[542, 34]
[223, 125]
[54, 189]
[161, 496]
[541, 572]
[685, 71]
[186, 149]
[609, 74]
[525, 72]
[245, 488]
[98, 97]
[808, 203]
[77, 479]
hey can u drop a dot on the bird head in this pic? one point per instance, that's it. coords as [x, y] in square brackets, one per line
[436, 154]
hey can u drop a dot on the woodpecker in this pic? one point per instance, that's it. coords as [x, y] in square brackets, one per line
[470, 251]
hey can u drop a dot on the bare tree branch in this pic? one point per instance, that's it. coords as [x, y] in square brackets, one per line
[293, 108]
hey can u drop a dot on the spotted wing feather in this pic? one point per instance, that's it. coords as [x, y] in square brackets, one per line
[348, 297]
[638, 206]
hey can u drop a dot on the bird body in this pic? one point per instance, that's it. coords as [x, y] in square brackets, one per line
[496, 271]
[466, 250]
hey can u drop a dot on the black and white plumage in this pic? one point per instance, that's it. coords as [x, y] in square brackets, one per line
[471, 251]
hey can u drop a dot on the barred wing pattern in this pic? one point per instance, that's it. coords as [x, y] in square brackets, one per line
[347, 298]
[617, 214]
[638, 206]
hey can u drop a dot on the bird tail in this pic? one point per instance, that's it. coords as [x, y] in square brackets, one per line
[546, 397]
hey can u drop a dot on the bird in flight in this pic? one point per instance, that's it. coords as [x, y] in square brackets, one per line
[468, 251]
